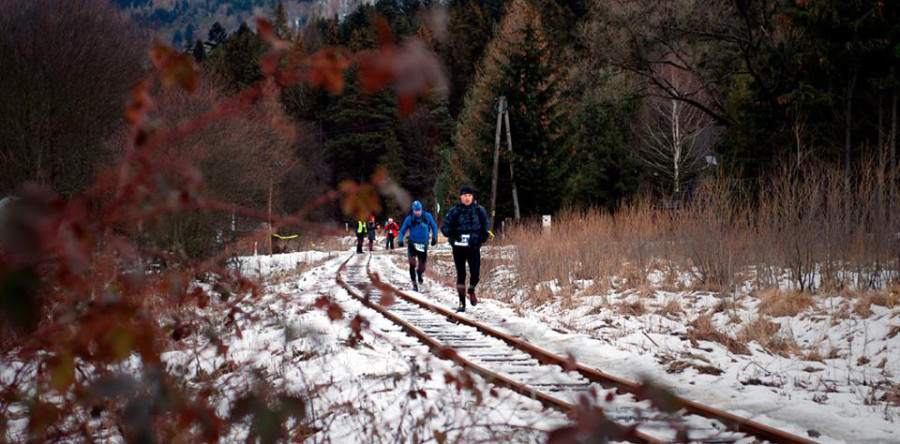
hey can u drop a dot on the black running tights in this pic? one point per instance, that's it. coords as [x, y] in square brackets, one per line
[472, 256]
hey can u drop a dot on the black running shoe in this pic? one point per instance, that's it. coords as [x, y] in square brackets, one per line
[415, 287]
[461, 309]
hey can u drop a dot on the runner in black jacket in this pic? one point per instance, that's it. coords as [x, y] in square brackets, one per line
[467, 227]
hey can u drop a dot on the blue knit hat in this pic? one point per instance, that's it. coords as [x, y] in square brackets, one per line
[466, 190]
[416, 206]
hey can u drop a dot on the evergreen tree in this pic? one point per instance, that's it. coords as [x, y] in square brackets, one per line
[199, 52]
[189, 34]
[217, 34]
[522, 68]
[241, 58]
[359, 132]
[282, 29]
[177, 39]
[422, 135]
[470, 31]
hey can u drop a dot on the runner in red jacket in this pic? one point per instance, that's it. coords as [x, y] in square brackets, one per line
[390, 231]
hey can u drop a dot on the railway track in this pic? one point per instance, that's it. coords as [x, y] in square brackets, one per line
[556, 382]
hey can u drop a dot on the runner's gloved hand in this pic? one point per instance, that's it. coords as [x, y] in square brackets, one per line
[433, 241]
[400, 243]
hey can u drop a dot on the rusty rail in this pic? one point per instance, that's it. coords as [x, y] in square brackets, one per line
[733, 421]
[629, 434]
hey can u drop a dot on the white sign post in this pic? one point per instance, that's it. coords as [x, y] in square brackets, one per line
[546, 224]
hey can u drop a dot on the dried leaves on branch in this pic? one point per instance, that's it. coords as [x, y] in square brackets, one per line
[89, 306]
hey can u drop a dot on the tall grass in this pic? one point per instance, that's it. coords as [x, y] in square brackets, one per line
[802, 229]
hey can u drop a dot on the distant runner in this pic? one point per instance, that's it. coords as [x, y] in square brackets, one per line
[466, 227]
[360, 235]
[390, 233]
[421, 226]
[371, 228]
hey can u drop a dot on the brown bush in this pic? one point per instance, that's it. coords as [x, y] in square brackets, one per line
[803, 221]
[671, 308]
[702, 329]
[882, 298]
[633, 308]
[766, 333]
[776, 303]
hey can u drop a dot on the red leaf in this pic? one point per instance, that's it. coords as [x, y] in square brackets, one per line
[387, 299]
[570, 364]
[335, 312]
[326, 69]
[266, 30]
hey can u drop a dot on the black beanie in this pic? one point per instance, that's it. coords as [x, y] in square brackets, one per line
[466, 190]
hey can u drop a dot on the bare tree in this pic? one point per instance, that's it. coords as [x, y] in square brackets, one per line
[675, 136]
[66, 68]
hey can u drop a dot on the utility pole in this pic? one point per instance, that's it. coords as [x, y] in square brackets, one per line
[496, 157]
[503, 116]
[512, 175]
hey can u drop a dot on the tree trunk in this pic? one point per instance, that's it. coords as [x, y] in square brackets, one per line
[881, 128]
[676, 146]
[848, 121]
[893, 135]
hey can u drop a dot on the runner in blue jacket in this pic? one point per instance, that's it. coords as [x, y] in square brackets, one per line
[421, 226]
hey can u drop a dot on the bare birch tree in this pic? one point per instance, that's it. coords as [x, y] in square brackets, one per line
[674, 136]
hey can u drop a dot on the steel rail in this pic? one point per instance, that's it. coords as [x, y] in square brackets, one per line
[626, 433]
[735, 422]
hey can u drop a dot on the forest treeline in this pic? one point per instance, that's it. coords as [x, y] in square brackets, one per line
[608, 100]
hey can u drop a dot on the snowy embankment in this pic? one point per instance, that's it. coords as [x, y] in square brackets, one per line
[386, 387]
[265, 265]
[830, 372]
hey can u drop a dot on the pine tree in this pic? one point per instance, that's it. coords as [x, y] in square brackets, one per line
[360, 132]
[470, 31]
[189, 34]
[520, 66]
[217, 34]
[199, 52]
[282, 28]
[242, 54]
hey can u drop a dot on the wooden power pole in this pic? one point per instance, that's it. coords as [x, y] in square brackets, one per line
[503, 116]
[496, 159]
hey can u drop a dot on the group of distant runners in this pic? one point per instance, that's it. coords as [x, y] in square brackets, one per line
[466, 227]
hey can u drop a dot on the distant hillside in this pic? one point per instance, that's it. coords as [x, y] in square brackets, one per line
[181, 22]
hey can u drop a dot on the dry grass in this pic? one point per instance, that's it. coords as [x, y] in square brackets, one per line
[671, 308]
[887, 299]
[702, 329]
[892, 395]
[814, 355]
[766, 333]
[632, 308]
[801, 224]
[776, 303]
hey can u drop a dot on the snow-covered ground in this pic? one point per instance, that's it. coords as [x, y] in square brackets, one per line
[838, 395]
[264, 265]
[387, 387]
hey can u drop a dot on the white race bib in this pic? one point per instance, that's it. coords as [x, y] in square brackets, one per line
[419, 247]
[463, 241]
